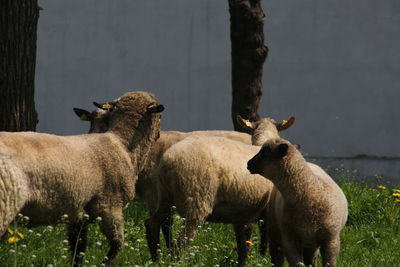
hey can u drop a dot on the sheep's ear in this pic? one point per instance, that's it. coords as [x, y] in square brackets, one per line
[154, 108]
[245, 124]
[84, 115]
[283, 125]
[281, 150]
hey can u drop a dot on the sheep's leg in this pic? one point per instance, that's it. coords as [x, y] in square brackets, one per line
[263, 237]
[187, 235]
[166, 228]
[292, 250]
[310, 256]
[191, 226]
[112, 226]
[330, 252]
[153, 225]
[275, 251]
[243, 234]
[275, 244]
[77, 237]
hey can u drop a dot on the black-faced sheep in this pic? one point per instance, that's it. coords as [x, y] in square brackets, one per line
[205, 177]
[45, 176]
[307, 209]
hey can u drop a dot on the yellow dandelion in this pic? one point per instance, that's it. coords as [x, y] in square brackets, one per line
[397, 190]
[10, 231]
[21, 235]
[249, 242]
[13, 239]
[397, 200]
[381, 187]
[396, 194]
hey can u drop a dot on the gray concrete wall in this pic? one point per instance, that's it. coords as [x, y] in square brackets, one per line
[335, 65]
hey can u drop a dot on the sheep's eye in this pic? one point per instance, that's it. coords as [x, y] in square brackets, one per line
[264, 152]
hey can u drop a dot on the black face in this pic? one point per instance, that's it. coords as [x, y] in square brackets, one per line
[252, 164]
[270, 153]
[99, 119]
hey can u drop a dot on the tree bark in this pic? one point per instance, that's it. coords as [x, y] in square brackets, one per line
[248, 56]
[18, 35]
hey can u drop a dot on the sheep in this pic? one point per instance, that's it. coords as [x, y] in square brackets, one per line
[146, 183]
[45, 176]
[307, 208]
[205, 177]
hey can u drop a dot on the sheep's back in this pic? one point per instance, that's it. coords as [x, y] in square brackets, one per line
[65, 169]
[310, 198]
[233, 135]
[147, 180]
[213, 169]
[335, 195]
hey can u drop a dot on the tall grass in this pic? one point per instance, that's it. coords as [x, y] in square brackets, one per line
[370, 238]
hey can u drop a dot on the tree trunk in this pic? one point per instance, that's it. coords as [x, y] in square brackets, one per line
[248, 56]
[18, 26]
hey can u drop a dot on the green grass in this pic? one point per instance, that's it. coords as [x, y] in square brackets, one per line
[370, 238]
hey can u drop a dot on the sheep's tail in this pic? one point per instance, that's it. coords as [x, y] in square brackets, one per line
[13, 193]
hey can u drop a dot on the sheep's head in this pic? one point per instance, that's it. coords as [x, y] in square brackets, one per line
[267, 161]
[264, 129]
[99, 119]
[126, 114]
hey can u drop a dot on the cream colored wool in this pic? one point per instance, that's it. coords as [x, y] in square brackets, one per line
[205, 177]
[147, 180]
[307, 209]
[45, 176]
[198, 177]
[146, 185]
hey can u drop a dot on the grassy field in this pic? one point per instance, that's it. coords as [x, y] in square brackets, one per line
[371, 238]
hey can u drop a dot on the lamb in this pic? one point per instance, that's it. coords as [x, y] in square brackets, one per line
[307, 208]
[45, 176]
[205, 177]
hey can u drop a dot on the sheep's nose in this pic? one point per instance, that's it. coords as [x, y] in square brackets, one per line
[251, 167]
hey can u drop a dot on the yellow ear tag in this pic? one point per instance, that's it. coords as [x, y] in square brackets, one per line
[106, 106]
[284, 122]
[84, 117]
[248, 123]
[152, 106]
